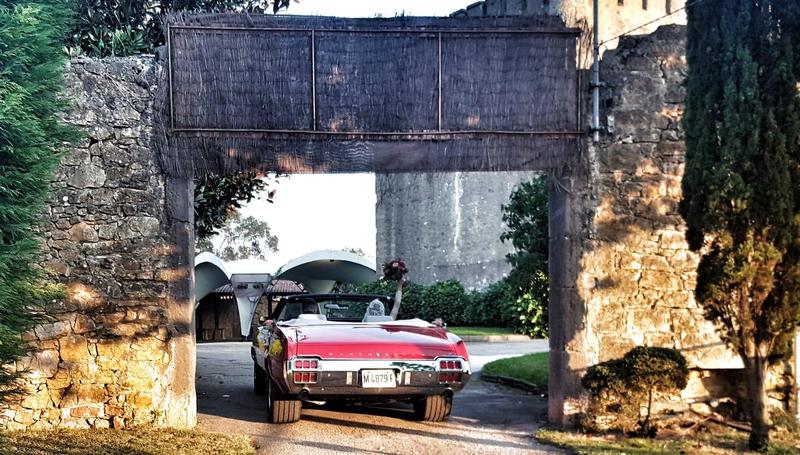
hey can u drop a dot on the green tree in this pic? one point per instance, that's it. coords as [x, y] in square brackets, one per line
[526, 216]
[242, 238]
[742, 181]
[31, 133]
[218, 197]
[129, 27]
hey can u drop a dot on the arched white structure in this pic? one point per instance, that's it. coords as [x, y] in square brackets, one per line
[320, 270]
[209, 274]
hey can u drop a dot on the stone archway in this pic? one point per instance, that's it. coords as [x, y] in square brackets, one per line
[119, 234]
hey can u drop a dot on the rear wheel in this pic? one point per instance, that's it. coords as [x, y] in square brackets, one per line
[259, 380]
[279, 408]
[433, 408]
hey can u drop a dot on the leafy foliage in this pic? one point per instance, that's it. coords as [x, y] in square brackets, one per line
[620, 388]
[742, 181]
[31, 133]
[444, 300]
[128, 27]
[242, 238]
[217, 197]
[526, 216]
[527, 220]
[496, 306]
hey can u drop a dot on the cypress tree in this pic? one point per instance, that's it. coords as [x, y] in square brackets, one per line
[31, 61]
[741, 185]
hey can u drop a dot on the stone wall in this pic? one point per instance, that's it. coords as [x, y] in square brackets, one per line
[446, 225]
[117, 350]
[628, 278]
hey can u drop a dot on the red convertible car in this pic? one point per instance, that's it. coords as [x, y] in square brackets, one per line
[343, 347]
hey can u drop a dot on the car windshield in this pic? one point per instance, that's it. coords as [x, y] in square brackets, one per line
[342, 310]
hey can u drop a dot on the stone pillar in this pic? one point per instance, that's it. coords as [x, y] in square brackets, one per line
[181, 399]
[118, 350]
[797, 374]
[567, 312]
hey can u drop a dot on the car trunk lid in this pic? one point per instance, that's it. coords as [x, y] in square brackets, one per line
[378, 342]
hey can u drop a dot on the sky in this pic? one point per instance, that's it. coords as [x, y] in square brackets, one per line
[333, 211]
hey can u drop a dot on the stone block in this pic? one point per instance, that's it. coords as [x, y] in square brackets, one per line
[114, 410]
[74, 351]
[83, 232]
[38, 399]
[653, 262]
[76, 423]
[86, 411]
[45, 363]
[52, 330]
[76, 157]
[140, 226]
[87, 176]
[82, 324]
[93, 395]
[673, 240]
[659, 280]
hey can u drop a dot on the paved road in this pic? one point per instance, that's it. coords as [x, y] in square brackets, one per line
[487, 418]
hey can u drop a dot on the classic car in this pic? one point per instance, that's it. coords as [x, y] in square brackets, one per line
[343, 347]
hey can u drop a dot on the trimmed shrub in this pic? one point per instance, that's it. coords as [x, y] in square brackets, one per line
[499, 305]
[528, 309]
[621, 389]
[492, 306]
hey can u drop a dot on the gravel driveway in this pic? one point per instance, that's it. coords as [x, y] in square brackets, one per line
[487, 418]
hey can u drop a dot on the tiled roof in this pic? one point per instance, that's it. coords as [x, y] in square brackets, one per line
[275, 287]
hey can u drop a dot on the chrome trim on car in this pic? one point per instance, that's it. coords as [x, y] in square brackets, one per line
[331, 365]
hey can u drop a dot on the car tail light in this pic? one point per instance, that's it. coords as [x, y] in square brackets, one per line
[306, 371]
[445, 378]
[450, 365]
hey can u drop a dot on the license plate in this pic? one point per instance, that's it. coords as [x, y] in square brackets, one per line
[377, 378]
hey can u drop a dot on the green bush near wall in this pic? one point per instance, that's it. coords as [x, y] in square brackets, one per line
[499, 305]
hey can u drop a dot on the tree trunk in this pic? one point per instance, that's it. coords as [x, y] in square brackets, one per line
[757, 388]
[398, 297]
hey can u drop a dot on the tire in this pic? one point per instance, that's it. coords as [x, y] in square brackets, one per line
[259, 380]
[279, 408]
[433, 408]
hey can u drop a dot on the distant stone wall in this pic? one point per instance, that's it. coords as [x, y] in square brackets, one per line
[629, 277]
[616, 16]
[118, 350]
[446, 225]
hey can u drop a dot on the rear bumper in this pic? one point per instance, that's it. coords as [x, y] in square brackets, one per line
[341, 379]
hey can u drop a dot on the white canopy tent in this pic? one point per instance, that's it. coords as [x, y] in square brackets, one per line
[318, 272]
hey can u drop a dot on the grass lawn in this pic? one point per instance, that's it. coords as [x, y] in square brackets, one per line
[480, 331]
[713, 440]
[532, 368]
[139, 441]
